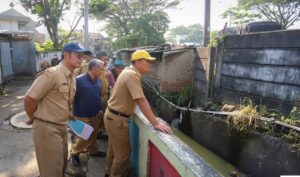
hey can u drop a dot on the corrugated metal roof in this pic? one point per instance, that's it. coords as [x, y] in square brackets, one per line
[16, 35]
[155, 49]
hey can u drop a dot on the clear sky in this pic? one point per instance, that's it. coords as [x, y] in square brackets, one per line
[188, 12]
[192, 11]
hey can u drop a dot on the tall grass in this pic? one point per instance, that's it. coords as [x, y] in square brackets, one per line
[246, 116]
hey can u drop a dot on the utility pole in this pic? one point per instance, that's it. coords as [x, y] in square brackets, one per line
[206, 23]
[86, 24]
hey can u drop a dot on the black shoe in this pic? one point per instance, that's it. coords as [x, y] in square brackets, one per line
[75, 159]
[106, 175]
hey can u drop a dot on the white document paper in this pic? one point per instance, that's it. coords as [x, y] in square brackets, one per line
[81, 129]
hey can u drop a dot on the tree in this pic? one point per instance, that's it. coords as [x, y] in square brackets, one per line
[182, 34]
[284, 12]
[238, 16]
[50, 13]
[63, 34]
[150, 28]
[141, 22]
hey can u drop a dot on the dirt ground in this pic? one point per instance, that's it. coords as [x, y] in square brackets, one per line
[17, 155]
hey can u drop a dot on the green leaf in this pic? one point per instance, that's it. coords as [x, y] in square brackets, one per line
[38, 9]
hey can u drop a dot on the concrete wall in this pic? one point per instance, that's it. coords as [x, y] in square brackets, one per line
[184, 160]
[262, 66]
[46, 56]
[9, 25]
[255, 154]
[203, 75]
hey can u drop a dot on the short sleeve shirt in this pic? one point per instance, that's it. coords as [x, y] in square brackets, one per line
[127, 89]
[54, 89]
[105, 83]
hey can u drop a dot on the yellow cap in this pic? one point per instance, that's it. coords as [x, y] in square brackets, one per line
[141, 54]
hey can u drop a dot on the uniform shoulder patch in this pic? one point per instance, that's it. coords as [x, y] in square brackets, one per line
[46, 71]
[51, 69]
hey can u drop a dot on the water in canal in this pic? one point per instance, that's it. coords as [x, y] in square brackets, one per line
[215, 161]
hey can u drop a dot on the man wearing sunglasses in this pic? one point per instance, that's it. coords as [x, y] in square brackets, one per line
[48, 104]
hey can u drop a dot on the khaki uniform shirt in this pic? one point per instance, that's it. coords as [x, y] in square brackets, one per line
[82, 69]
[105, 84]
[127, 88]
[54, 89]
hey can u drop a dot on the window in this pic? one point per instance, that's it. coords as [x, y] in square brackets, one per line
[22, 26]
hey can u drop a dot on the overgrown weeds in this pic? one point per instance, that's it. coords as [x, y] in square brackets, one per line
[181, 98]
[294, 139]
[293, 118]
[249, 116]
[246, 116]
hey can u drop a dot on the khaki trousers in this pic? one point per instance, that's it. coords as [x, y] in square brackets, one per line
[91, 144]
[51, 148]
[118, 150]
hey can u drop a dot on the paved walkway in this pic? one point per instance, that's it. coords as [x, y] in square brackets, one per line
[17, 156]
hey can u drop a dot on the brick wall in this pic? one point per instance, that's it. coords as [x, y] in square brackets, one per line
[176, 70]
[173, 69]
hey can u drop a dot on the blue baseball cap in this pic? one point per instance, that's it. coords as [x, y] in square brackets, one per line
[119, 62]
[74, 47]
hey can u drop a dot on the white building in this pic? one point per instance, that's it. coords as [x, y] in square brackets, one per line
[13, 21]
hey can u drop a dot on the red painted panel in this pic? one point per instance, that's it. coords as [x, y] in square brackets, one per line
[159, 166]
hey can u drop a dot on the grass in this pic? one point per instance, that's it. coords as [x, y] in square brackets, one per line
[293, 138]
[181, 98]
[246, 116]
[291, 119]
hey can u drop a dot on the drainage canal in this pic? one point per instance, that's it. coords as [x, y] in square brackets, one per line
[263, 151]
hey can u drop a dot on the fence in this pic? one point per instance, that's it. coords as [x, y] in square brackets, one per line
[17, 56]
[46, 57]
[262, 66]
[23, 56]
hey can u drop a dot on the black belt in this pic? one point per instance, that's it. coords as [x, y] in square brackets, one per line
[117, 113]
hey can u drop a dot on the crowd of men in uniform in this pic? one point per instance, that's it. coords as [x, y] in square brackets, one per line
[78, 88]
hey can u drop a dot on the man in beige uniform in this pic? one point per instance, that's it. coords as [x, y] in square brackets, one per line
[84, 64]
[104, 77]
[48, 106]
[127, 93]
